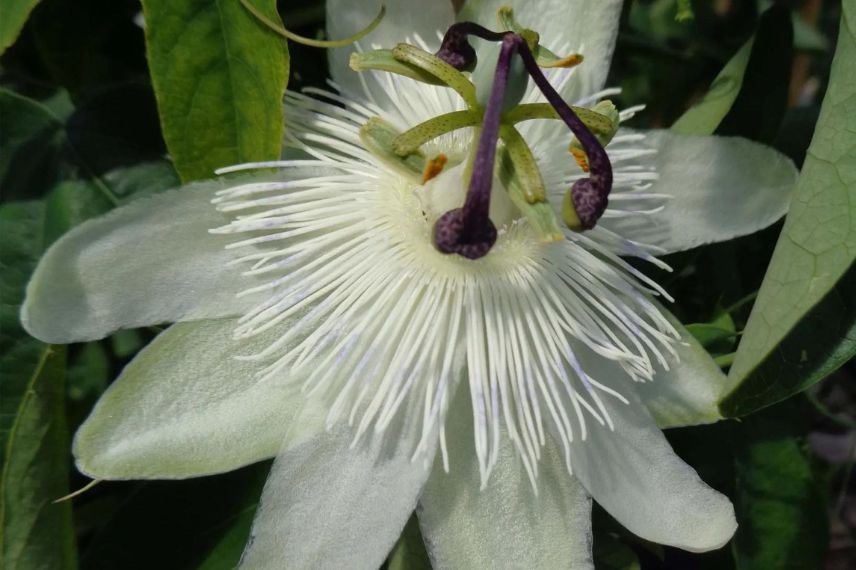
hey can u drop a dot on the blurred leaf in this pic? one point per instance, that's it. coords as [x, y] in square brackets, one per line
[749, 94]
[703, 117]
[88, 44]
[23, 238]
[126, 342]
[13, 16]
[716, 336]
[88, 372]
[219, 76]
[37, 155]
[806, 37]
[759, 107]
[803, 325]
[610, 553]
[199, 521]
[227, 552]
[709, 335]
[34, 533]
[409, 552]
[779, 502]
[65, 154]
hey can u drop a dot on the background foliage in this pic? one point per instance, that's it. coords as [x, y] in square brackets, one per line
[90, 103]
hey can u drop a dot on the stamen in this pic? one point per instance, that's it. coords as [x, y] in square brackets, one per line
[435, 66]
[434, 167]
[543, 56]
[468, 231]
[410, 140]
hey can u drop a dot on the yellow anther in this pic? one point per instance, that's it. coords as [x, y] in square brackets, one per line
[433, 167]
[581, 158]
[571, 60]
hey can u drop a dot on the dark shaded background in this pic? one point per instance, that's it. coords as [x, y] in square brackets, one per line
[93, 51]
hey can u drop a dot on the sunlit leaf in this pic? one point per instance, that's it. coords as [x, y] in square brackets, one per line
[803, 325]
[13, 16]
[219, 75]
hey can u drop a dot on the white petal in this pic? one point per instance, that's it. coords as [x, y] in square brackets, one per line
[689, 392]
[152, 261]
[505, 525]
[634, 474]
[186, 407]
[587, 26]
[404, 19]
[720, 188]
[686, 394]
[328, 506]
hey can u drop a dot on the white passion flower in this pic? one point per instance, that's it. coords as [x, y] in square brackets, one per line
[405, 319]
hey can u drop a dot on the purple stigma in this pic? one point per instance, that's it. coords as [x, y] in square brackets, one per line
[468, 230]
[590, 196]
[456, 49]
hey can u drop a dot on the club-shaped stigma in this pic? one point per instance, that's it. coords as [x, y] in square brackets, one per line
[588, 198]
[455, 48]
[468, 231]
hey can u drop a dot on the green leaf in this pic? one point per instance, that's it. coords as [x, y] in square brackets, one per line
[34, 533]
[227, 552]
[20, 247]
[759, 107]
[87, 44]
[409, 552]
[705, 116]
[219, 76]
[747, 98]
[200, 523]
[780, 503]
[803, 325]
[13, 16]
[42, 158]
[610, 553]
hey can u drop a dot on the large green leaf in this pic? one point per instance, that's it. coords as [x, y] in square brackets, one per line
[13, 16]
[219, 76]
[803, 325]
[34, 533]
[780, 503]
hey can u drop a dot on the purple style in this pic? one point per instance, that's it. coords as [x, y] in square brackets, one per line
[468, 230]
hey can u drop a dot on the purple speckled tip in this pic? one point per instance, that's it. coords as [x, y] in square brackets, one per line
[451, 235]
[468, 231]
[589, 202]
[456, 49]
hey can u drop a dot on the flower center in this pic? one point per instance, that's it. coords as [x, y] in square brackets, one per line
[468, 230]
